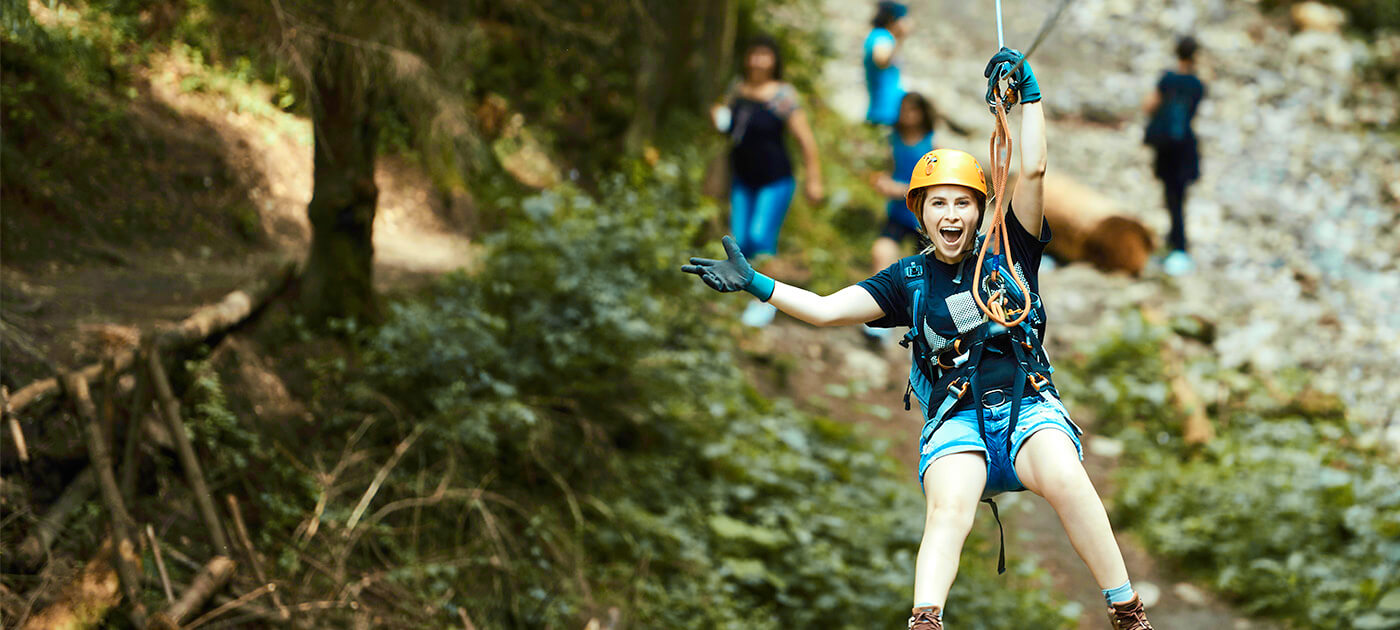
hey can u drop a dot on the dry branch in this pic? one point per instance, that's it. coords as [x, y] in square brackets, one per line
[170, 410]
[35, 548]
[131, 451]
[160, 564]
[379, 478]
[233, 605]
[206, 321]
[1090, 228]
[211, 578]
[241, 532]
[16, 433]
[128, 562]
[85, 601]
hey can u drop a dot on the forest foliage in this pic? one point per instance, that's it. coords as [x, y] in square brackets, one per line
[1283, 511]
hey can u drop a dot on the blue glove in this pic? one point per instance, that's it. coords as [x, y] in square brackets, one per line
[735, 274]
[1022, 82]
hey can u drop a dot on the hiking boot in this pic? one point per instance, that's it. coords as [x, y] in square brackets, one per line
[1129, 615]
[925, 618]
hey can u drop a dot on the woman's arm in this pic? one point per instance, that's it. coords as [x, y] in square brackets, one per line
[1030, 185]
[797, 123]
[882, 53]
[1152, 101]
[851, 305]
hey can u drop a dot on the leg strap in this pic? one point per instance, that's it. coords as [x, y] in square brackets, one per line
[1001, 533]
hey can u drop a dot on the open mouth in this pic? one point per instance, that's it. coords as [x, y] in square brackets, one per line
[950, 235]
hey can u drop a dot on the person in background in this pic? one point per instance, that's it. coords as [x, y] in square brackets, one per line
[882, 79]
[757, 113]
[1171, 107]
[910, 139]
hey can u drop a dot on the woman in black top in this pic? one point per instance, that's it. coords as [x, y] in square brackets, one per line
[757, 113]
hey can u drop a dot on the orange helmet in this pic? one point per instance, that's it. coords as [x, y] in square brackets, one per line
[945, 166]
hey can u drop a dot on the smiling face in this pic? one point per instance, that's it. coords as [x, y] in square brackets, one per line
[950, 214]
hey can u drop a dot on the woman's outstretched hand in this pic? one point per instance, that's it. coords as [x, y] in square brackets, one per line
[725, 276]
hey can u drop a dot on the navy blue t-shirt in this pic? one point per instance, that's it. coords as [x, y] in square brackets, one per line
[952, 310]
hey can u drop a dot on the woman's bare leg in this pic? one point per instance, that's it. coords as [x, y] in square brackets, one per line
[952, 487]
[1049, 466]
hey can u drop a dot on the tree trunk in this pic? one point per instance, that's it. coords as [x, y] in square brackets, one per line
[339, 277]
[721, 24]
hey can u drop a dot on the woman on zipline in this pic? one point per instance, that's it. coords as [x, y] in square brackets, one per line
[993, 421]
[757, 113]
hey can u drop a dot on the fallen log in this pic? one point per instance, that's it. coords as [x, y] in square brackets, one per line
[85, 601]
[203, 323]
[210, 579]
[127, 561]
[35, 547]
[1090, 228]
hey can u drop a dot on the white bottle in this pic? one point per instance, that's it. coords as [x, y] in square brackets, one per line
[723, 118]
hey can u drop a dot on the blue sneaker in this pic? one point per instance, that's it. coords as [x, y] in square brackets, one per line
[758, 314]
[1177, 263]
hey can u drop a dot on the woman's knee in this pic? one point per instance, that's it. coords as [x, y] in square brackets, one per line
[1049, 465]
[950, 515]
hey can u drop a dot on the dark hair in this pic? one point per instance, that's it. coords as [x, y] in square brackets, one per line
[925, 107]
[1186, 48]
[887, 13]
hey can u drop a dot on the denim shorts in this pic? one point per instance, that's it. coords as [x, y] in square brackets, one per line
[959, 435]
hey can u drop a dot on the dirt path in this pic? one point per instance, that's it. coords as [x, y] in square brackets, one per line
[836, 374]
[70, 313]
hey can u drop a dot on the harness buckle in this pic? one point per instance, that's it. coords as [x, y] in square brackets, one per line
[1037, 381]
[955, 391]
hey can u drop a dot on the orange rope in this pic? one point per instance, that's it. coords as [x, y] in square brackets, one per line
[1001, 171]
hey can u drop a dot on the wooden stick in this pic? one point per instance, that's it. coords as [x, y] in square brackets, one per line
[379, 478]
[85, 601]
[206, 321]
[242, 600]
[16, 433]
[170, 409]
[35, 548]
[211, 578]
[160, 564]
[128, 562]
[466, 620]
[109, 403]
[240, 530]
[131, 452]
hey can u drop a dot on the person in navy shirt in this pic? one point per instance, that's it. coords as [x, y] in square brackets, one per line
[882, 80]
[1177, 161]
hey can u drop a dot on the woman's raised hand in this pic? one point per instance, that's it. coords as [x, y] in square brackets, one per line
[1023, 81]
[725, 276]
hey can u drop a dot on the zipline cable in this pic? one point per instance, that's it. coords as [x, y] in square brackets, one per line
[1000, 152]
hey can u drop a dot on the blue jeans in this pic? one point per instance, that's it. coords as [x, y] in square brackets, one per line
[959, 435]
[756, 214]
